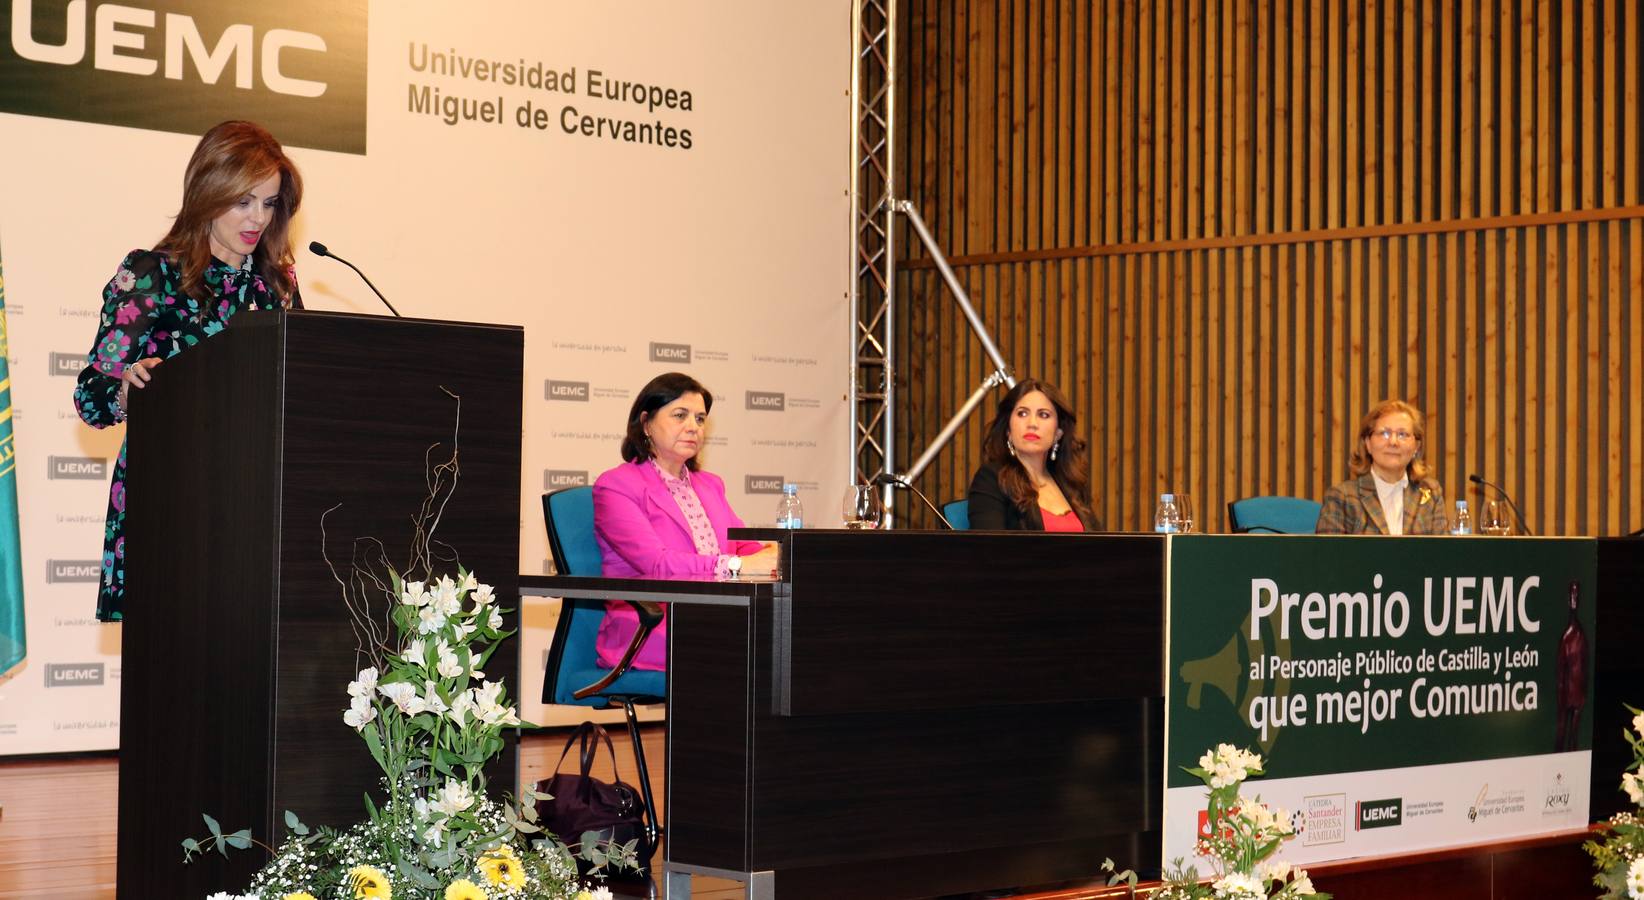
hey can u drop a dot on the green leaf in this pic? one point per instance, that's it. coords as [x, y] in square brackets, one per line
[417, 874]
[240, 840]
[216, 830]
[295, 824]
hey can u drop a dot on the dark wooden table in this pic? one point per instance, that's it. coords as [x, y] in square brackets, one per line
[912, 713]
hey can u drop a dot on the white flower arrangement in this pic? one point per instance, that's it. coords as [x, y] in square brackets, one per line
[431, 721]
[1242, 835]
[1619, 854]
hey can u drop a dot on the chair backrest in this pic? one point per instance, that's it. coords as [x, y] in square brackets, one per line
[958, 514]
[569, 514]
[1274, 515]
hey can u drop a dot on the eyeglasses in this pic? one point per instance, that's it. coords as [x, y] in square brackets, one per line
[1389, 435]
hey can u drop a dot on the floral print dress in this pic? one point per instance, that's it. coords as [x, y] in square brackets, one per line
[146, 313]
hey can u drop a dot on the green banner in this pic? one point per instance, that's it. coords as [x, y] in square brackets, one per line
[1346, 654]
[13, 631]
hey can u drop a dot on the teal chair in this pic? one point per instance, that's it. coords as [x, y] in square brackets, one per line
[575, 677]
[1273, 515]
[957, 513]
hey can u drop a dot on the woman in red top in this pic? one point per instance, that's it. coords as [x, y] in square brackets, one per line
[1035, 476]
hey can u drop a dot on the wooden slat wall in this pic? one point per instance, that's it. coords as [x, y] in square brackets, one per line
[1227, 227]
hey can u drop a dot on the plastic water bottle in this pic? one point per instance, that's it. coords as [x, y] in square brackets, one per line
[789, 513]
[1464, 519]
[1166, 520]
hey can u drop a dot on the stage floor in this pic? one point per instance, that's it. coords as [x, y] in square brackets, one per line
[57, 819]
[57, 823]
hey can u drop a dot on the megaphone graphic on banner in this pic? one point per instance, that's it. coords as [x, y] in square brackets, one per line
[1227, 670]
[1221, 671]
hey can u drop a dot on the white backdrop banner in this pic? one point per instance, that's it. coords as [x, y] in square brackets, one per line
[643, 187]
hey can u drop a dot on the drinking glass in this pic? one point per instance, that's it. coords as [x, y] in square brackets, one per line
[1495, 520]
[1185, 520]
[862, 507]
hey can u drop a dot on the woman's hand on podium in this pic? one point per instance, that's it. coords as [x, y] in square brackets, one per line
[137, 375]
[762, 564]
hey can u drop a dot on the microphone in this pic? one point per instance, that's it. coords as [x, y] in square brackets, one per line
[319, 249]
[1523, 528]
[897, 482]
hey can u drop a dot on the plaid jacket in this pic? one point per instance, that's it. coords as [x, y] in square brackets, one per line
[1353, 507]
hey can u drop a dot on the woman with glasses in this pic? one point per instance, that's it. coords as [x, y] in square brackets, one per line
[1392, 493]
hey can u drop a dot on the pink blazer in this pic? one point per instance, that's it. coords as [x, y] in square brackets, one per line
[642, 534]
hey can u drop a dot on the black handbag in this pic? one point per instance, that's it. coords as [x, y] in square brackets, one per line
[581, 803]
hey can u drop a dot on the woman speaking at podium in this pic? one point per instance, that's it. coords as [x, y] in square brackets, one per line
[1034, 475]
[659, 515]
[228, 250]
[1391, 493]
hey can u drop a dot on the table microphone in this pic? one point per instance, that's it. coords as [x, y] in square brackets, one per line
[1523, 528]
[318, 249]
[896, 481]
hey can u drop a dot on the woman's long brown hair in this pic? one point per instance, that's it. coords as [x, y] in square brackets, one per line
[1070, 468]
[230, 160]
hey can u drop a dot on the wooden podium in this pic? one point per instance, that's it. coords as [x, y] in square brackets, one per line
[237, 644]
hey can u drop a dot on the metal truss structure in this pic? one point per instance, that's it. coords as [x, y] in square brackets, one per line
[872, 385]
[873, 286]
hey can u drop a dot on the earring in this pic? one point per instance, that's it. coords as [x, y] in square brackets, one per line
[1053, 448]
[1011, 447]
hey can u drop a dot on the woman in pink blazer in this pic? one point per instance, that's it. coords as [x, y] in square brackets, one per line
[658, 515]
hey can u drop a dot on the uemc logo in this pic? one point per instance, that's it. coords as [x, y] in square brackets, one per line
[670, 353]
[774, 401]
[73, 674]
[80, 467]
[762, 484]
[555, 479]
[567, 390]
[184, 65]
[1378, 813]
[71, 570]
[68, 364]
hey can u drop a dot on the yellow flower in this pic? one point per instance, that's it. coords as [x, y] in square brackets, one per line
[369, 883]
[298, 895]
[463, 889]
[502, 868]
